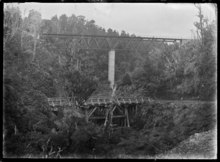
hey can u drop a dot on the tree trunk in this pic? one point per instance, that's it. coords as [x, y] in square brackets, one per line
[35, 44]
[110, 113]
[86, 116]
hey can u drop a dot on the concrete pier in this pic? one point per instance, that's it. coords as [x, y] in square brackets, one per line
[111, 67]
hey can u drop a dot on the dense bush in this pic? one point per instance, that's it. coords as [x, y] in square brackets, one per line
[163, 125]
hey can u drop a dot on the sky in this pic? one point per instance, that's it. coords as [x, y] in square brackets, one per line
[141, 19]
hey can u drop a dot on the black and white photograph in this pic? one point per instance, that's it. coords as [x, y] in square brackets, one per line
[109, 80]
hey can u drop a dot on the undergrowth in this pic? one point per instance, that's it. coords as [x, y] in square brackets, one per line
[162, 126]
[156, 128]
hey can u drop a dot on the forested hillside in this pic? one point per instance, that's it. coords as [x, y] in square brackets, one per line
[35, 69]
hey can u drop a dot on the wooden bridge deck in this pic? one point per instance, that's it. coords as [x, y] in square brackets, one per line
[117, 101]
[60, 101]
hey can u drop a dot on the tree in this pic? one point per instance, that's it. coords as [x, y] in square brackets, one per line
[12, 23]
[79, 85]
[123, 33]
[63, 20]
[32, 26]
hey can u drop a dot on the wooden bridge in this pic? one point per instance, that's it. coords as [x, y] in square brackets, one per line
[96, 109]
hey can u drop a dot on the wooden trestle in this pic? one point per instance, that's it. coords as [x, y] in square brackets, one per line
[96, 109]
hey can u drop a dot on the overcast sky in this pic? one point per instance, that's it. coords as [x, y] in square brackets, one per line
[143, 19]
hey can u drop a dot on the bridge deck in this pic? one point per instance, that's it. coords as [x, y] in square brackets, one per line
[60, 101]
[117, 101]
[97, 101]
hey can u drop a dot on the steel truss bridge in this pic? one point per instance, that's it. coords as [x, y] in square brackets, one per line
[97, 42]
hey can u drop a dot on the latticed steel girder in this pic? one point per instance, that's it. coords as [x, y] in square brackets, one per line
[98, 42]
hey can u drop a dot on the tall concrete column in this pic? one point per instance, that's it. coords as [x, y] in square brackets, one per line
[181, 42]
[111, 67]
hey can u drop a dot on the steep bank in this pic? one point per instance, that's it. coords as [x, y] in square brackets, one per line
[200, 145]
[163, 126]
